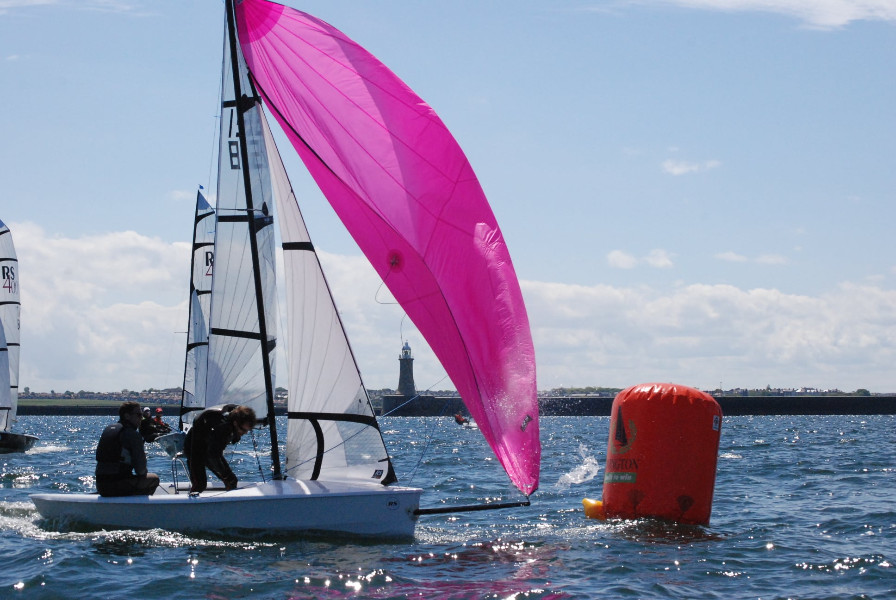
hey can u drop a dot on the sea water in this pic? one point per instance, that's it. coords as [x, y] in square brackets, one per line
[804, 507]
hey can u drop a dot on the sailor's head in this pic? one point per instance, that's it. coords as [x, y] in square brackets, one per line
[159, 410]
[145, 411]
[243, 419]
[130, 410]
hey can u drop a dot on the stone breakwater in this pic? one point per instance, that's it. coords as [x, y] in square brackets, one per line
[429, 406]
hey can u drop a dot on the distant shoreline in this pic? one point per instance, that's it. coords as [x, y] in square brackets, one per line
[560, 406]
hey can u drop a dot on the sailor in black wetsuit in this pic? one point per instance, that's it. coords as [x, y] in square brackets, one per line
[208, 437]
[120, 458]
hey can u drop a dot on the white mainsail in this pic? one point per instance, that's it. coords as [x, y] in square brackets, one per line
[242, 335]
[332, 432]
[10, 309]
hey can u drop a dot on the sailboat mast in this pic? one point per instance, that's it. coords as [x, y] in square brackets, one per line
[243, 103]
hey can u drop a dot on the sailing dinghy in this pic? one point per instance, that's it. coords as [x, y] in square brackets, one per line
[407, 194]
[10, 309]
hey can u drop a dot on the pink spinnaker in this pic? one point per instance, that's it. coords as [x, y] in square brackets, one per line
[407, 194]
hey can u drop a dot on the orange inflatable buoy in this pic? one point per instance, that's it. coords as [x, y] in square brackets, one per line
[661, 454]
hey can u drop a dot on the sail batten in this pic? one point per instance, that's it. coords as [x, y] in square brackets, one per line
[407, 194]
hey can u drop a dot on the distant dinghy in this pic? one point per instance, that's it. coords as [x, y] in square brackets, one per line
[10, 309]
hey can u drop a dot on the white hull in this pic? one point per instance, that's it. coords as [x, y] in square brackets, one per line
[296, 506]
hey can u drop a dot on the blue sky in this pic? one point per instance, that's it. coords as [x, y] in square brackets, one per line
[690, 193]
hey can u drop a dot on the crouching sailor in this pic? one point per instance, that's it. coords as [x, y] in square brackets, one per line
[210, 434]
[121, 459]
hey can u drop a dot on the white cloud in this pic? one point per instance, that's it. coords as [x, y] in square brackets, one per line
[821, 14]
[771, 259]
[621, 260]
[117, 6]
[681, 167]
[763, 259]
[732, 257]
[657, 258]
[702, 334]
[101, 313]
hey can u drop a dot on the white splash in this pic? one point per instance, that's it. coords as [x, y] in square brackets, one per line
[583, 472]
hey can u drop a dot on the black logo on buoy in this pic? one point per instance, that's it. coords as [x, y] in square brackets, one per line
[622, 438]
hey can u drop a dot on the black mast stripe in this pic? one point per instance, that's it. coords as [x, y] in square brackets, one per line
[245, 103]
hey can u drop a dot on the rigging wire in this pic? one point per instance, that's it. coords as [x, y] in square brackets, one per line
[255, 452]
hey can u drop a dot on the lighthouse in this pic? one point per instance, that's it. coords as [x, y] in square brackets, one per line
[406, 402]
[406, 386]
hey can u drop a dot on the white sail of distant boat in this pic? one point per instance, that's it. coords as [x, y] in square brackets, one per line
[202, 261]
[10, 315]
[201, 270]
[404, 190]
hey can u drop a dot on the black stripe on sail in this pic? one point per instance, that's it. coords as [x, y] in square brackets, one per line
[246, 102]
[233, 218]
[199, 245]
[298, 246]
[316, 418]
[319, 457]
[196, 345]
[249, 335]
[7, 303]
